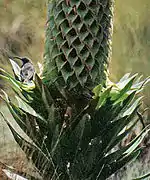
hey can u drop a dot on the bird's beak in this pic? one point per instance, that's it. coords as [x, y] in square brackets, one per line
[14, 57]
[17, 57]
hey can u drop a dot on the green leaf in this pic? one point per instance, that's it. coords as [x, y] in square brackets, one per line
[132, 146]
[16, 69]
[113, 167]
[132, 107]
[103, 97]
[97, 91]
[124, 78]
[43, 162]
[126, 88]
[46, 97]
[24, 106]
[122, 135]
[137, 140]
[142, 177]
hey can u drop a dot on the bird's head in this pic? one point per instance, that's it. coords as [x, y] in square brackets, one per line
[23, 59]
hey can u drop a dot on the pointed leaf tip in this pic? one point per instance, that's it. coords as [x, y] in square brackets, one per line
[16, 69]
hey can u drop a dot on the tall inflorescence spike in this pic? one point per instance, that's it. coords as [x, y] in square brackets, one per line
[78, 42]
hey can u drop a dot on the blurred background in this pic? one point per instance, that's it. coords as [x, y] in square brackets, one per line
[22, 27]
[131, 40]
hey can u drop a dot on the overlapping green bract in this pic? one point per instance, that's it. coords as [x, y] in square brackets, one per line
[77, 46]
[80, 146]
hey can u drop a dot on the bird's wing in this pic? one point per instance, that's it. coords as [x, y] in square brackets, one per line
[16, 68]
[27, 71]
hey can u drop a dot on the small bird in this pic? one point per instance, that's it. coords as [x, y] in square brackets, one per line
[26, 72]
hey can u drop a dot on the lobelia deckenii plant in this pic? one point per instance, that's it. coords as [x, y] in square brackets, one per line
[73, 114]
